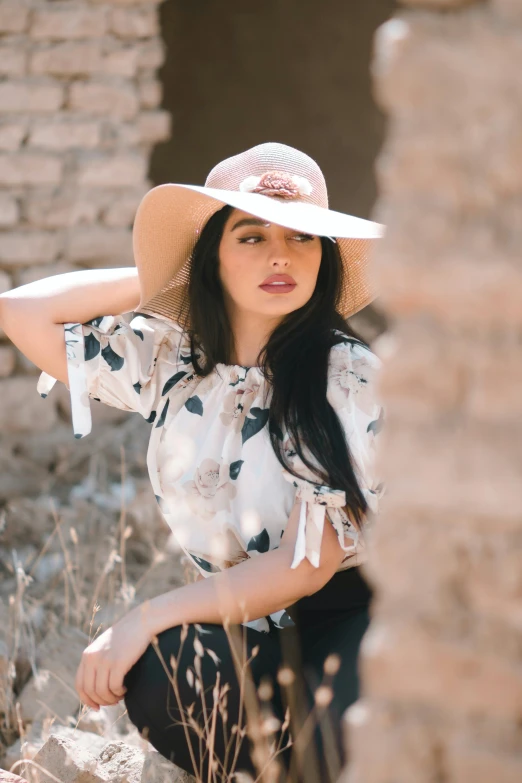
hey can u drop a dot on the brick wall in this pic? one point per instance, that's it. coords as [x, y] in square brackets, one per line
[442, 662]
[79, 115]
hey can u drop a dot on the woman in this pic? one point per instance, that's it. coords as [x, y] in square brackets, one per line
[264, 415]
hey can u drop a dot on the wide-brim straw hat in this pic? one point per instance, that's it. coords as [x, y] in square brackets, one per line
[272, 181]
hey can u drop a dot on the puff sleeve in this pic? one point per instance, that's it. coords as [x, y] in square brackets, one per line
[351, 390]
[127, 364]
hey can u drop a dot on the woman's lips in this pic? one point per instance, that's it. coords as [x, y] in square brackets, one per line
[278, 288]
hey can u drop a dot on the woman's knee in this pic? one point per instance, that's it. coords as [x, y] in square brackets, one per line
[148, 679]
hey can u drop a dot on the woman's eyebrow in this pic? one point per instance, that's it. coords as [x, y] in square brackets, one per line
[249, 222]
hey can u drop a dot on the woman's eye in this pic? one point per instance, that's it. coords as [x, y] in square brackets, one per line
[299, 237]
[244, 240]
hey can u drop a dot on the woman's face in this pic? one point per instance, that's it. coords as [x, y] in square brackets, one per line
[253, 251]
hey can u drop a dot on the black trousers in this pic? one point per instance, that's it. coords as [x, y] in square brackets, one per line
[189, 694]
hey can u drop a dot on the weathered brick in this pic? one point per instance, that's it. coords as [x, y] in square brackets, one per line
[467, 763]
[81, 58]
[24, 168]
[68, 207]
[32, 97]
[9, 210]
[154, 126]
[446, 674]
[69, 23]
[12, 135]
[28, 247]
[151, 54]
[150, 93]
[112, 171]
[32, 273]
[121, 61]
[113, 100]
[117, 135]
[96, 245]
[65, 135]
[122, 208]
[12, 61]
[13, 17]
[139, 23]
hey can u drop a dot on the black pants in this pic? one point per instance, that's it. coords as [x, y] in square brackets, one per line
[286, 676]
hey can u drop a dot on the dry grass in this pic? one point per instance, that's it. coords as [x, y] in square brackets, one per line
[102, 574]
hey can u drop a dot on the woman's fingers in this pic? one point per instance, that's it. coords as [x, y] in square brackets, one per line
[91, 675]
[104, 692]
[116, 685]
[78, 684]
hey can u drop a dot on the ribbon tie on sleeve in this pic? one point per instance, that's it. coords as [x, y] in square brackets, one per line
[315, 500]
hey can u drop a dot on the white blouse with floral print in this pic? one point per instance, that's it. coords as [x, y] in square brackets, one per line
[216, 478]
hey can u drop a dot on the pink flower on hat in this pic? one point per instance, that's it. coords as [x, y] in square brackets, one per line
[277, 183]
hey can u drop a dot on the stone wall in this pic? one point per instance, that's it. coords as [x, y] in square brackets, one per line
[441, 664]
[79, 97]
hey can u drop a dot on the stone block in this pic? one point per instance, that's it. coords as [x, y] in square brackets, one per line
[122, 209]
[379, 738]
[37, 735]
[52, 690]
[99, 245]
[25, 168]
[14, 17]
[12, 135]
[467, 763]
[133, 24]
[103, 99]
[154, 126]
[67, 207]
[68, 23]
[28, 247]
[445, 449]
[9, 210]
[402, 663]
[31, 97]
[151, 54]
[115, 763]
[30, 274]
[82, 58]
[65, 135]
[7, 361]
[150, 93]
[121, 61]
[22, 409]
[125, 170]
[12, 61]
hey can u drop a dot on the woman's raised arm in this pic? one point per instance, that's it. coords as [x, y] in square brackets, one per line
[33, 315]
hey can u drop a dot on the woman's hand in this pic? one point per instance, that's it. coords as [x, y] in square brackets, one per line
[106, 661]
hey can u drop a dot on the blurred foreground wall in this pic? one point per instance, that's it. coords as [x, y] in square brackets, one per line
[442, 663]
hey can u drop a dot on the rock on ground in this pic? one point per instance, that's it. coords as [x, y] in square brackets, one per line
[115, 763]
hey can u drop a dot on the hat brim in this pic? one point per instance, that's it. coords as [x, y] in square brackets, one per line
[170, 218]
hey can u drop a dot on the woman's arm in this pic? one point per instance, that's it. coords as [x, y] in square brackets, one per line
[33, 315]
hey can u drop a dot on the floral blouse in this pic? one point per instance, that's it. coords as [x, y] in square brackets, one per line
[213, 470]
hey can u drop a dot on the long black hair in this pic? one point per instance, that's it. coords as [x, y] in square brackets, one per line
[294, 361]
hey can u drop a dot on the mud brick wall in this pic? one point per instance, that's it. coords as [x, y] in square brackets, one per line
[441, 664]
[79, 98]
